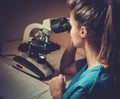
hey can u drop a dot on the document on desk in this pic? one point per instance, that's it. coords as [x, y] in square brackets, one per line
[17, 85]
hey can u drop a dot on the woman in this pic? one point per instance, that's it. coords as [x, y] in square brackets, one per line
[92, 28]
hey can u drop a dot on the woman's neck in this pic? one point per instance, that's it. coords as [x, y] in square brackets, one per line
[91, 56]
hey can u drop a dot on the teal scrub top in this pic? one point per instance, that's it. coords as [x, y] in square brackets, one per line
[93, 83]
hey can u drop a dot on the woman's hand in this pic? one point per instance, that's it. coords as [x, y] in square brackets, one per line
[57, 86]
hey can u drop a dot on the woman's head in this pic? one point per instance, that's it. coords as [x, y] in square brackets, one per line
[101, 18]
[96, 16]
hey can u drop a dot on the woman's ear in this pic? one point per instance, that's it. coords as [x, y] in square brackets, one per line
[83, 32]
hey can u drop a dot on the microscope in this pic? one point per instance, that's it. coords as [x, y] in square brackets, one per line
[37, 45]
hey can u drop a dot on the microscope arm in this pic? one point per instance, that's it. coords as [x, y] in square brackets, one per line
[28, 29]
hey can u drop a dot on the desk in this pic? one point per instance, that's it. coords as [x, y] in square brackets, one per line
[17, 85]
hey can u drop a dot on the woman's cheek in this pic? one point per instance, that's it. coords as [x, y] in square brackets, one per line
[73, 37]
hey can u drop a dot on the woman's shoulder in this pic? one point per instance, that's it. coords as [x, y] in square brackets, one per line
[104, 84]
[95, 80]
[96, 76]
[105, 75]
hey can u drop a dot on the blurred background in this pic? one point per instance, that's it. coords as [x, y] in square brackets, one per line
[15, 15]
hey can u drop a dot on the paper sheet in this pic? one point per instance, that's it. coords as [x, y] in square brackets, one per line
[17, 85]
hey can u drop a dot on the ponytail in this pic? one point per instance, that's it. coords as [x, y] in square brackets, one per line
[108, 38]
[110, 49]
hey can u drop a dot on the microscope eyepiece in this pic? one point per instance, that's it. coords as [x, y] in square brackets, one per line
[60, 25]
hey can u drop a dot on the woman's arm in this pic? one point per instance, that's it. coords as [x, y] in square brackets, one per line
[68, 63]
[67, 67]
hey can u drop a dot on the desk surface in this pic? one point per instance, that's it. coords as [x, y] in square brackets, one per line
[17, 85]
